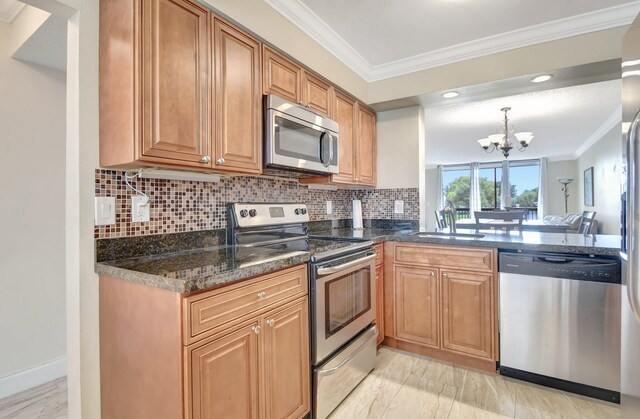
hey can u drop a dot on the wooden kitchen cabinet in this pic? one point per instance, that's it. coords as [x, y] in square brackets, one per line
[281, 76]
[441, 301]
[317, 94]
[182, 88]
[416, 305]
[224, 376]
[365, 148]
[286, 361]
[238, 351]
[284, 78]
[467, 320]
[238, 100]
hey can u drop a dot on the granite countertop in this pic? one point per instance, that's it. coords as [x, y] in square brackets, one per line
[606, 245]
[200, 269]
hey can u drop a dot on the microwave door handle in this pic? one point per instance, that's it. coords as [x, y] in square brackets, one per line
[330, 149]
[323, 138]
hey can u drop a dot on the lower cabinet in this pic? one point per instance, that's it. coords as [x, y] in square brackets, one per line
[225, 372]
[442, 302]
[237, 351]
[467, 318]
[417, 305]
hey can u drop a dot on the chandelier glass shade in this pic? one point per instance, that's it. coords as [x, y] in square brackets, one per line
[507, 139]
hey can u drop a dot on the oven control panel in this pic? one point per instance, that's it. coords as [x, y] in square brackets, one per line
[256, 215]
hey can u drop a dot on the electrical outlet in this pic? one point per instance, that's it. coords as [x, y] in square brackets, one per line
[329, 207]
[398, 207]
[139, 209]
[105, 210]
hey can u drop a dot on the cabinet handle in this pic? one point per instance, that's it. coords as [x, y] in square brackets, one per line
[256, 329]
[300, 103]
[445, 275]
[262, 295]
[271, 322]
[206, 159]
[433, 274]
[220, 160]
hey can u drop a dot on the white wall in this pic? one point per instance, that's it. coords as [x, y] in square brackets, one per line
[399, 148]
[431, 197]
[32, 169]
[605, 156]
[555, 196]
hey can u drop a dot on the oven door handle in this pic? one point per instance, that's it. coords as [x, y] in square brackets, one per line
[333, 370]
[334, 269]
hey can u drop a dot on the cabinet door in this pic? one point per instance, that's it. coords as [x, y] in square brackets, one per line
[366, 167]
[467, 310]
[287, 361]
[223, 378]
[237, 100]
[316, 94]
[380, 302]
[345, 114]
[281, 77]
[416, 305]
[175, 80]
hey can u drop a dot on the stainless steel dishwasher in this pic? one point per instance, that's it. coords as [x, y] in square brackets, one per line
[560, 321]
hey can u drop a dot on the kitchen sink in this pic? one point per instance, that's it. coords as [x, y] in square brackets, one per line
[443, 235]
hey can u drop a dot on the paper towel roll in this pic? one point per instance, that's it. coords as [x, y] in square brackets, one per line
[357, 214]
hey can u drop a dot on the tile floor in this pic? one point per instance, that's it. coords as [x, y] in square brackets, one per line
[405, 386]
[46, 401]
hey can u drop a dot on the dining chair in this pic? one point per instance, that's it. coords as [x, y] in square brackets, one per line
[504, 220]
[440, 219]
[588, 217]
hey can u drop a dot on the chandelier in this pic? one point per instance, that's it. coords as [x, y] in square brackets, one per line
[507, 139]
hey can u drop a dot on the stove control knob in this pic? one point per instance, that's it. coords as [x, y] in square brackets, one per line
[297, 211]
[244, 213]
[303, 210]
[253, 212]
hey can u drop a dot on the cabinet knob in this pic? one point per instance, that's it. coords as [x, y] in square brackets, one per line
[433, 274]
[445, 275]
[256, 329]
[271, 322]
[262, 295]
[220, 160]
[206, 159]
[300, 103]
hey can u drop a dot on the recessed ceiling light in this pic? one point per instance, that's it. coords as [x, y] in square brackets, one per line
[541, 78]
[450, 95]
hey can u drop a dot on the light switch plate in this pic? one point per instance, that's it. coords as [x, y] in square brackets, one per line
[329, 207]
[139, 209]
[398, 207]
[105, 211]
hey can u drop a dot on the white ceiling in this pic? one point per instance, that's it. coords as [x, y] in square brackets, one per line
[385, 38]
[565, 122]
[9, 9]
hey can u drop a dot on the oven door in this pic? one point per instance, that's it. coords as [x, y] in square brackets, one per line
[344, 301]
[298, 144]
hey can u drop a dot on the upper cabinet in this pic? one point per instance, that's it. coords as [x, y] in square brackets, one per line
[181, 87]
[238, 105]
[282, 77]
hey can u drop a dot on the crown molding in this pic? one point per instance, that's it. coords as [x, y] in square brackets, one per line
[11, 12]
[311, 24]
[614, 119]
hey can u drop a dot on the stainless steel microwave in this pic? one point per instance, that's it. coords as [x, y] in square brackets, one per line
[299, 139]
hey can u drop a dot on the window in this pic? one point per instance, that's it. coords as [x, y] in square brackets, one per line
[456, 185]
[490, 178]
[524, 177]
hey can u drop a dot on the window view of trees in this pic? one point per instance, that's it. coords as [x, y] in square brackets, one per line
[524, 177]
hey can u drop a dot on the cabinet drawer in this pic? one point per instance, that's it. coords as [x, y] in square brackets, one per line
[209, 312]
[379, 248]
[461, 258]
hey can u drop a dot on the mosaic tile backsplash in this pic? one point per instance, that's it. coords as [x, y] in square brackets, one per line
[179, 206]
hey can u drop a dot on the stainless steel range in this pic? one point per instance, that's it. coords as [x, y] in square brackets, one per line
[341, 293]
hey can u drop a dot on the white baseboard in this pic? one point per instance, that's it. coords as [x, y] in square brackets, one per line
[32, 377]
